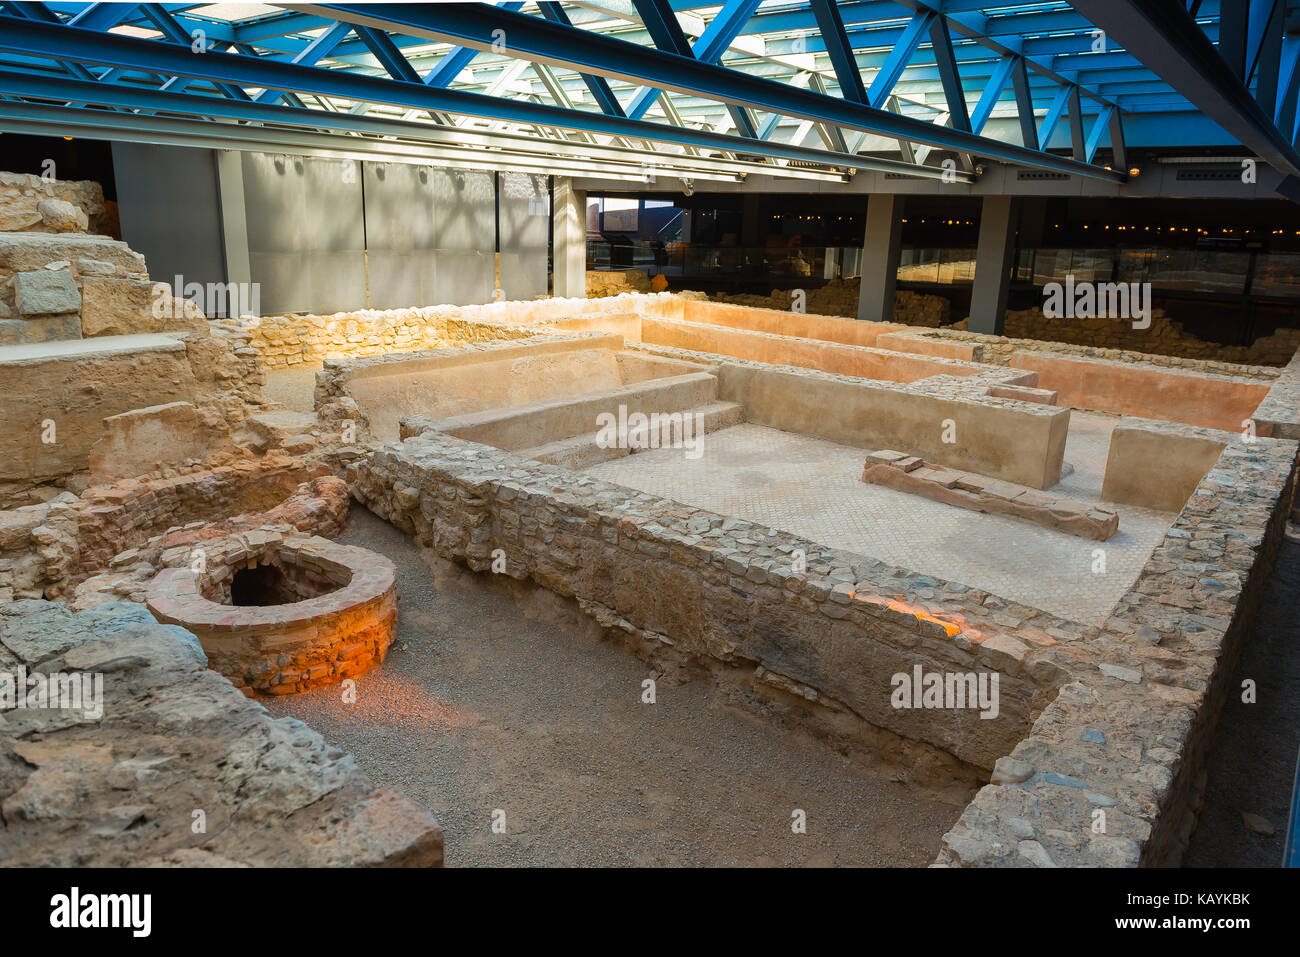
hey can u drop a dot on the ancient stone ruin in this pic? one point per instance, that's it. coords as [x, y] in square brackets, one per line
[1007, 577]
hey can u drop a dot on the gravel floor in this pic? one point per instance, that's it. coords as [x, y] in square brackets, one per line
[1253, 760]
[481, 708]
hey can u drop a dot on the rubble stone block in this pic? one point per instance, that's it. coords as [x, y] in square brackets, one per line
[41, 329]
[60, 216]
[46, 292]
[146, 440]
[117, 307]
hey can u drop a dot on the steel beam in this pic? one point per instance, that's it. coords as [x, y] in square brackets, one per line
[312, 54]
[708, 49]
[532, 38]
[899, 57]
[949, 78]
[993, 92]
[550, 151]
[1171, 44]
[839, 50]
[132, 53]
[597, 86]
[1024, 104]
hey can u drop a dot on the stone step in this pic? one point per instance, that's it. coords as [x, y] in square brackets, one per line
[540, 423]
[583, 451]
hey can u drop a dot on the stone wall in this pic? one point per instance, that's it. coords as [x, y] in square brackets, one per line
[116, 517]
[57, 286]
[1201, 398]
[839, 297]
[33, 204]
[289, 340]
[1277, 415]
[1158, 464]
[47, 548]
[1008, 438]
[1000, 349]
[181, 769]
[38, 548]
[378, 391]
[54, 400]
[726, 592]
[1127, 745]
[130, 533]
[602, 283]
[1164, 337]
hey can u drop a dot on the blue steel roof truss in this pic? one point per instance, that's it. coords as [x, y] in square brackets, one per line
[968, 77]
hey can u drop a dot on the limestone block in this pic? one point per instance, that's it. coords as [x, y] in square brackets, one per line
[46, 292]
[145, 440]
[20, 252]
[117, 307]
[16, 217]
[278, 430]
[176, 314]
[54, 397]
[21, 196]
[95, 267]
[41, 329]
[60, 216]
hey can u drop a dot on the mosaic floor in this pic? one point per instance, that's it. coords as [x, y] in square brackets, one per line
[812, 488]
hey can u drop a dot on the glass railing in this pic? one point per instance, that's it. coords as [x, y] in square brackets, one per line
[1276, 274]
[692, 260]
[945, 267]
[1213, 271]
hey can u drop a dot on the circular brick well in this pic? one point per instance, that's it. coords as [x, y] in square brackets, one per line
[282, 614]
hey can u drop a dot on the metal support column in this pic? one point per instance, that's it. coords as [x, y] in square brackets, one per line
[997, 242]
[881, 245]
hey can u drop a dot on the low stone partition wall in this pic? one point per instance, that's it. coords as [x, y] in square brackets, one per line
[537, 423]
[999, 350]
[865, 362]
[446, 382]
[912, 341]
[174, 767]
[1279, 414]
[625, 324]
[1159, 464]
[1022, 442]
[1203, 399]
[785, 322]
[111, 519]
[314, 612]
[285, 341]
[831, 629]
[1112, 772]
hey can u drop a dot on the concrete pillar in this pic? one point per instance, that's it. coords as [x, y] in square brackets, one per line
[881, 244]
[234, 223]
[569, 240]
[993, 262]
